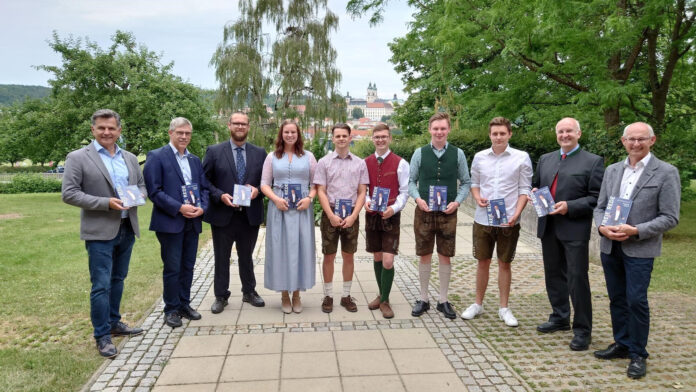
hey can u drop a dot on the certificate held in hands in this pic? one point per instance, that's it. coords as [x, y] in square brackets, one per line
[292, 193]
[543, 201]
[130, 195]
[380, 198]
[343, 208]
[496, 212]
[437, 198]
[617, 211]
[242, 195]
[191, 195]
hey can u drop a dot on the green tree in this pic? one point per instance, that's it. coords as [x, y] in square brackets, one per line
[294, 63]
[127, 78]
[357, 113]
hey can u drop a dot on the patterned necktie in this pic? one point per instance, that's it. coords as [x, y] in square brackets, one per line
[241, 165]
[380, 160]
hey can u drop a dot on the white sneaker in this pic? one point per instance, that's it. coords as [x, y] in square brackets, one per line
[472, 311]
[505, 314]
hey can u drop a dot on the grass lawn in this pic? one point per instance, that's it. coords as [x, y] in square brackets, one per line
[46, 339]
[675, 270]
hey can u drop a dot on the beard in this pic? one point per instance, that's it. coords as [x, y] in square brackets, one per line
[238, 137]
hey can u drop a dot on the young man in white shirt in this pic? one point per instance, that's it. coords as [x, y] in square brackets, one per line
[500, 172]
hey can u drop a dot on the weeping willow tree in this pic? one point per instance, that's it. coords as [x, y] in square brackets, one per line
[278, 53]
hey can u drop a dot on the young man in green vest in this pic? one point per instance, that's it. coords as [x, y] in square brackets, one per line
[437, 164]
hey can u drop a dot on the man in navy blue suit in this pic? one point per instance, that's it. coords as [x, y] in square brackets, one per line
[231, 162]
[172, 173]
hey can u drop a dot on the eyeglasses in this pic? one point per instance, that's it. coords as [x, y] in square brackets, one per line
[637, 139]
[240, 124]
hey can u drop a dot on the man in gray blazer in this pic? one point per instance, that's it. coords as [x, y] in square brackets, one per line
[628, 250]
[91, 177]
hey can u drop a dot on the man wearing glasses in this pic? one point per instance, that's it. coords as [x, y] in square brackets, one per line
[628, 250]
[228, 163]
[385, 170]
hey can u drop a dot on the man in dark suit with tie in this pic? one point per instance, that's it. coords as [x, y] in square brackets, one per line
[628, 250]
[228, 163]
[170, 173]
[574, 177]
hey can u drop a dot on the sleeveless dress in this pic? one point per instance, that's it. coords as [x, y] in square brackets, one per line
[290, 249]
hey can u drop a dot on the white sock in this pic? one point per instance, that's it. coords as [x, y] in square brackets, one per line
[424, 277]
[328, 289]
[346, 288]
[445, 270]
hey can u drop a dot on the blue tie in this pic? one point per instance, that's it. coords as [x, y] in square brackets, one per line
[241, 165]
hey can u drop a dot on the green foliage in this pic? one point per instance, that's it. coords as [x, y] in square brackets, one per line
[125, 77]
[30, 183]
[603, 62]
[11, 93]
[23, 169]
[357, 113]
[295, 63]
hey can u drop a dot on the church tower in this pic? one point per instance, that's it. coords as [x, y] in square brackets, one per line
[371, 92]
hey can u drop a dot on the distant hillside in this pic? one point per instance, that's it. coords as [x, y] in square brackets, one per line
[10, 93]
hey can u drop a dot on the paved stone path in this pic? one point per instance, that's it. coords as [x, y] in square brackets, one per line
[262, 349]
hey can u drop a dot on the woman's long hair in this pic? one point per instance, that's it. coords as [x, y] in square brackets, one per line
[280, 144]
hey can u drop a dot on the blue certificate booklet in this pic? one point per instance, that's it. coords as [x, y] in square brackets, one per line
[496, 212]
[130, 195]
[343, 208]
[437, 198]
[292, 193]
[191, 195]
[380, 198]
[617, 211]
[542, 201]
[242, 195]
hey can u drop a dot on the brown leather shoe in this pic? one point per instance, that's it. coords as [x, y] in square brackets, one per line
[327, 304]
[349, 304]
[374, 304]
[387, 311]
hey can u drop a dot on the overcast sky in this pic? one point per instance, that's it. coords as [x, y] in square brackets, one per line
[185, 32]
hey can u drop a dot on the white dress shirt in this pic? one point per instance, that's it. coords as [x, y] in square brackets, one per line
[402, 173]
[504, 176]
[631, 175]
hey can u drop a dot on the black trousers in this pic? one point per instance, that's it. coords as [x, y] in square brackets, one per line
[178, 252]
[566, 265]
[238, 231]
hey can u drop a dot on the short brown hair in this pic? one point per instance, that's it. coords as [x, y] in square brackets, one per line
[229, 120]
[500, 121]
[381, 127]
[439, 116]
[340, 126]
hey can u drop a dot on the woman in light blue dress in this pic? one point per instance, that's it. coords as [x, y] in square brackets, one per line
[290, 250]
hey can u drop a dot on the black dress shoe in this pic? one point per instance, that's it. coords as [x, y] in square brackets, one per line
[580, 343]
[218, 305]
[122, 329]
[188, 312]
[253, 299]
[172, 319]
[420, 308]
[637, 368]
[105, 347]
[446, 310]
[613, 351]
[552, 326]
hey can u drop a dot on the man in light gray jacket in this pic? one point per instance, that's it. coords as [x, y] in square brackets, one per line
[628, 250]
[108, 228]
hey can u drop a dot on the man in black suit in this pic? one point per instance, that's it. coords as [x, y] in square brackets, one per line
[169, 171]
[228, 163]
[574, 177]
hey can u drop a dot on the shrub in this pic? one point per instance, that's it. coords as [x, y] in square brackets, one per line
[30, 183]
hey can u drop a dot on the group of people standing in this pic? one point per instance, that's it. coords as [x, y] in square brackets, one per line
[575, 177]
